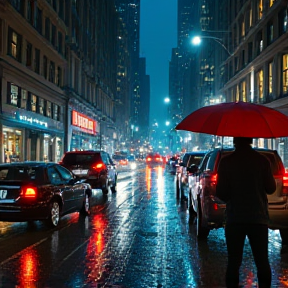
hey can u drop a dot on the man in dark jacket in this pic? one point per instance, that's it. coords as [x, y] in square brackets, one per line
[244, 180]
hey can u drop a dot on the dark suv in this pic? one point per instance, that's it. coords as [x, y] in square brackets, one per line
[189, 158]
[209, 210]
[96, 167]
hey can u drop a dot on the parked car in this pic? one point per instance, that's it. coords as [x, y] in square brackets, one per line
[154, 159]
[189, 158]
[172, 164]
[40, 191]
[96, 167]
[210, 210]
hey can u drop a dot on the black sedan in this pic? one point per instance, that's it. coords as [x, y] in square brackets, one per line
[40, 191]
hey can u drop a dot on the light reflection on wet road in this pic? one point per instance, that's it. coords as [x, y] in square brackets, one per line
[138, 237]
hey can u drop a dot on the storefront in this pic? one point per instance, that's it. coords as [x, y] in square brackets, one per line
[30, 137]
[82, 132]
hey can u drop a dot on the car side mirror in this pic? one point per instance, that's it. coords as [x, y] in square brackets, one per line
[192, 169]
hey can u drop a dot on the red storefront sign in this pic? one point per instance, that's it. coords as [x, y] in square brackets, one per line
[85, 123]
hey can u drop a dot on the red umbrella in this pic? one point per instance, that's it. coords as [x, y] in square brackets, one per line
[237, 119]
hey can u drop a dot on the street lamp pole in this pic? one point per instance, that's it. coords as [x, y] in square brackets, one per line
[196, 40]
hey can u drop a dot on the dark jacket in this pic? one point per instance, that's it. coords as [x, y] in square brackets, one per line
[244, 180]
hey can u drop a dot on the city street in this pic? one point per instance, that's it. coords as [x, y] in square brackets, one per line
[138, 237]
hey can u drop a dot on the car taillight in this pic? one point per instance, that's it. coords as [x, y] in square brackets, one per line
[285, 184]
[148, 159]
[214, 179]
[29, 192]
[98, 166]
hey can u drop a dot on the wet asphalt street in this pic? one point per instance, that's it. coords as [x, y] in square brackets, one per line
[138, 237]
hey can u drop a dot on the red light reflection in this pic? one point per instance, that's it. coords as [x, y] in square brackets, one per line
[29, 269]
[95, 249]
[148, 178]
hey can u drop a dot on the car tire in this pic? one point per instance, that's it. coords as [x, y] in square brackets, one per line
[284, 236]
[113, 187]
[202, 232]
[85, 210]
[105, 188]
[54, 214]
[192, 212]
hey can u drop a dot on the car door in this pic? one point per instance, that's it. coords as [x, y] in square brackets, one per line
[77, 188]
[110, 168]
[65, 191]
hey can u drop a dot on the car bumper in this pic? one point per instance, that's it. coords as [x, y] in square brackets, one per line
[18, 214]
[278, 218]
[215, 212]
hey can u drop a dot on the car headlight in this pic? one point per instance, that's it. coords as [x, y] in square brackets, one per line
[133, 165]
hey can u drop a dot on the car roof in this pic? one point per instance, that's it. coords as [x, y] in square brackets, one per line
[85, 152]
[28, 163]
[195, 152]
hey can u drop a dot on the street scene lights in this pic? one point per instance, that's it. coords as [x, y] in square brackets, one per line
[196, 40]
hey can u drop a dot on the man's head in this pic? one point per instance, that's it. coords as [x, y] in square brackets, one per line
[242, 141]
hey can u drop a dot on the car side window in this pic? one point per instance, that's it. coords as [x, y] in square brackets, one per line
[105, 158]
[203, 165]
[54, 176]
[65, 173]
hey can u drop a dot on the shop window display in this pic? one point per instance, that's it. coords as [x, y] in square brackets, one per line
[12, 144]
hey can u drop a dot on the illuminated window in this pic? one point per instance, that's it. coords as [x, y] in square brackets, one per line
[14, 90]
[271, 2]
[243, 87]
[14, 44]
[24, 97]
[285, 73]
[270, 83]
[260, 9]
[33, 103]
[41, 106]
[48, 109]
[251, 17]
[237, 93]
[259, 86]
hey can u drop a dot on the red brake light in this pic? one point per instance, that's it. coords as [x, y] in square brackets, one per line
[285, 184]
[214, 178]
[29, 192]
[98, 166]
[285, 179]
[149, 159]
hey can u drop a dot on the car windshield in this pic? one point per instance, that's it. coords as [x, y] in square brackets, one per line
[75, 159]
[195, 159]
[20, 173]
[119, 157]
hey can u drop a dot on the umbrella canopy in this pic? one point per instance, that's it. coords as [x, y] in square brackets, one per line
[237, 119]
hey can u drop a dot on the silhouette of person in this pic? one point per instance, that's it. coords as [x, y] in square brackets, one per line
[244, 180]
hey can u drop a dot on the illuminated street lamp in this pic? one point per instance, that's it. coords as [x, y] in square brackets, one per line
[196, 40]
[167, 100]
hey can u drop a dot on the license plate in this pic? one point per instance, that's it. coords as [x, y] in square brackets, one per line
[3, 194]
[80, 171]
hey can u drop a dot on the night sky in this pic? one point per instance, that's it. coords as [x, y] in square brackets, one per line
[158, 35]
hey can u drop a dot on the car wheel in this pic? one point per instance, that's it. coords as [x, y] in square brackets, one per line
[284, 236]
[54, 216]
[86, 206]
[105, 188]
[202, 232]
[177, 189]
[113, 187]
[192, 212]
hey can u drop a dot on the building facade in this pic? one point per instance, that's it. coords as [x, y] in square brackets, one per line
[58, 78]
